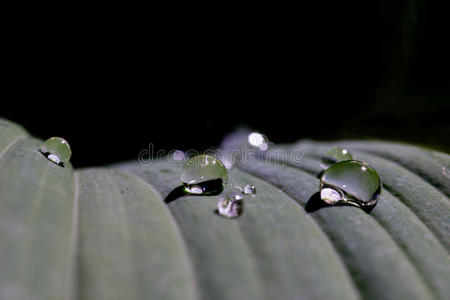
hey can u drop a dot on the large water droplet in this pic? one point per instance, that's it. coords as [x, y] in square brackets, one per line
[204, 174]
[335, 155]
[230, 206]
[352, 182]
[57, 150]
[258, 140]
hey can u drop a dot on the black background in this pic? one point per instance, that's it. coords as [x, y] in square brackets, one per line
[111, 80]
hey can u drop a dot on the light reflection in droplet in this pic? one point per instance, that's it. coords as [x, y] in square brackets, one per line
[54, 158]
[330, 196]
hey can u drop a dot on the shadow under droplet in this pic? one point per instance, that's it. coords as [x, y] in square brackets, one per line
[176, 193]
[315, 203]
[368, 209]
[320, 174]
[210, 188]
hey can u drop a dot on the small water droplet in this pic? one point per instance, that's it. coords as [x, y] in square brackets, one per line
[230, 206]
[249, 189]
[335, 155]
[178, 155]
[204, 174]
[259, 141]
[352, 182]
[57, 150]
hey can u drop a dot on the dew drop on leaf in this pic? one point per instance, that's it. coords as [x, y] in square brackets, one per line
[204, 174]
[352, 182]
[178, 155]
[335, 155]
[230, 206]
[249, 189]
[57, 150]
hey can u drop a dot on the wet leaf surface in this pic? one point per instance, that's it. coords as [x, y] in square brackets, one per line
[110, 233]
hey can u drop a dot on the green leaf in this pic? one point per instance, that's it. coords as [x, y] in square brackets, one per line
[129, 246]
[411, 224]
[274, 250]
[107, 233]
[10, 134]
[36, 198]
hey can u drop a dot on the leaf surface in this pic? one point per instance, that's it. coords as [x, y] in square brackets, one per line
[36, 198]
[108, 233]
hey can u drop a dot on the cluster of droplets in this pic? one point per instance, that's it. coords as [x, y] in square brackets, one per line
[248, 189]
[206, 175]
[57, 150]
[348, 181]
[344, 181]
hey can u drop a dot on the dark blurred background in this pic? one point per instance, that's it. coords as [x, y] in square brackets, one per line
[111, 81]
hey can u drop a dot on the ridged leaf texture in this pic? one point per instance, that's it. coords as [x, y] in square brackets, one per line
[107, 233]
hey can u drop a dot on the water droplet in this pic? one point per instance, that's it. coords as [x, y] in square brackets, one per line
[352, 182]
[57, 150]
[335, 155]
[178, 155]
[230, 206]
[204, 174]
[258, 140]
[249, 189]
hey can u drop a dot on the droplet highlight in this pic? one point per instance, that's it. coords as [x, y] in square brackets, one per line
[57, 150]
[204, 174]
[335, 155]
[230, 206]
[330, 196]
[259, 141]
[350, 182]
